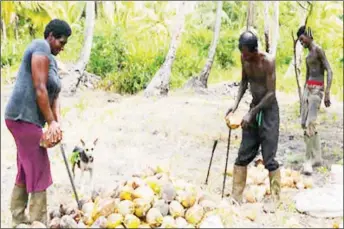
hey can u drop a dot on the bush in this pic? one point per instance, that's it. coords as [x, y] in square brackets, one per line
[108, 53]
[188, 63]
[12, 51]
[226, 47]
[136, 76]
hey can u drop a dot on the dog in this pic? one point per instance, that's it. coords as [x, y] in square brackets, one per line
[83, 158]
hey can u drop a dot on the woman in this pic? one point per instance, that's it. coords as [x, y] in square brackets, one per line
[35, 102]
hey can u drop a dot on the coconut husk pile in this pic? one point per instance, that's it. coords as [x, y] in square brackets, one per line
[151, 199]
[258, 184]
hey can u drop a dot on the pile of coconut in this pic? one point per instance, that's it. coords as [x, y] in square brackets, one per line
[258, 183]
[153, 199]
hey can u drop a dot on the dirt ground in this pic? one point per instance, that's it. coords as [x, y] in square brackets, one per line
[179, 131]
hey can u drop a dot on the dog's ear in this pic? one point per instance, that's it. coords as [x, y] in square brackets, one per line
[95, 141]
[82, 142]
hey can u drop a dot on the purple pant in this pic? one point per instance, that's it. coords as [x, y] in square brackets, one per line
[33, 162]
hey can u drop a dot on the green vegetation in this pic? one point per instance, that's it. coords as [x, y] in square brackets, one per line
[131, 41]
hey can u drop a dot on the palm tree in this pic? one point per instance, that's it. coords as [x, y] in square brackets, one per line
[85, 54]
[275, 29]
[202, 79]
[267, 25]
[88, 38]
[159, 85]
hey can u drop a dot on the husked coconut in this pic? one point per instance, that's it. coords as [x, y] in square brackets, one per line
[144, 192]
[54, 213]
[54, 223]
[114, 220]
[100, 222]
[162, 206]
[194, 214]
[131, 221]
[154, 217]
[126, 193]
[168, 222]
[168, 192]
[176, 209]
[104, 208]
[141, 207]
[125, 207]
[87, 208]
[186, 198]
[181, 222]
[68, 222]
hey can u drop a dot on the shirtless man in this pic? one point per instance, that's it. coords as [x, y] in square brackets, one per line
[316, 64]
[260, 126]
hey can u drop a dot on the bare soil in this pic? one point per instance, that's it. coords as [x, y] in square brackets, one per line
[179, 131]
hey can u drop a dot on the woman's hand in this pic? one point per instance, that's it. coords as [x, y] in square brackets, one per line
[52, 136]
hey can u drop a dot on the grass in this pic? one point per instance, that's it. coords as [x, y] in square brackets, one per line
[338, 152]
[291, 207]
[322, 170]
[81, 105]
[64, 111]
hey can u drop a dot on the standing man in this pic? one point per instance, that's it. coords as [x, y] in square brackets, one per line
[260, 126]
[316, 64]
[35, 102]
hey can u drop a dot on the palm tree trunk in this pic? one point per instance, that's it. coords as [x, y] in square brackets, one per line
[275, 29]
[3, 27]
[250, 15]
[266, 26]
[88, 38]
[16, 27]
[207, 68]
[159, 85]
[109, 10]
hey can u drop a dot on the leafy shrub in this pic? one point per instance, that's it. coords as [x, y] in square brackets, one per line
[226, 47]
[108, 53]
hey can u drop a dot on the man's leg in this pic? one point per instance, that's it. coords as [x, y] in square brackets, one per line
[318, 160]
[247, 152]
[269, 133]
[307, 165]
[311, 131]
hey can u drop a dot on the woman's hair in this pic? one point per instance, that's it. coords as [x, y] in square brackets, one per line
[304, 31]
[58, 27]
[249, 40]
